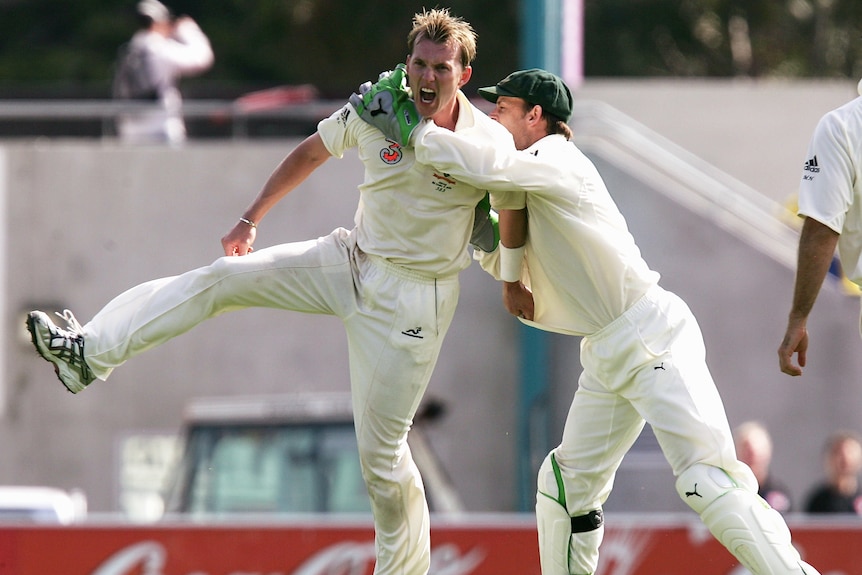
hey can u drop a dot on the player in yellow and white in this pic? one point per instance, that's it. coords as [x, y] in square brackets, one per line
[392, 279]
[642, 351]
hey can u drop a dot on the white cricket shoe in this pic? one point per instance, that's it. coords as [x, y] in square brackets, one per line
[62, 347]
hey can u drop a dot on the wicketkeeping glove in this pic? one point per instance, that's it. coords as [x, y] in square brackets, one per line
[486, 227]
[387, 106]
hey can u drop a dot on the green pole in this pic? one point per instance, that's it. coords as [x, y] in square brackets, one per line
[541, 41]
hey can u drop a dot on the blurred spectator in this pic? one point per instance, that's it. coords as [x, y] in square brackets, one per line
[754, 448]
[839, 492]
[149, 69]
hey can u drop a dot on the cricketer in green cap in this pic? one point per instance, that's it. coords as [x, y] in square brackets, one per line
[534, 86]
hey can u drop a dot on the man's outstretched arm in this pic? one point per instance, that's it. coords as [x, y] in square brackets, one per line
[291, 172]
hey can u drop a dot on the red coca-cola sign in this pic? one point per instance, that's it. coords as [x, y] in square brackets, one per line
[491, 545]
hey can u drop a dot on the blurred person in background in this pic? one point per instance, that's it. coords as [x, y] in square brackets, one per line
[754, 447]
[839, 492]
[163, 50]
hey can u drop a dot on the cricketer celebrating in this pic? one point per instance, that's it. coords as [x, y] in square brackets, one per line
[392, 280]
[642, 351]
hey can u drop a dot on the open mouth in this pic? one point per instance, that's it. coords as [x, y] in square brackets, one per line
[427, 96]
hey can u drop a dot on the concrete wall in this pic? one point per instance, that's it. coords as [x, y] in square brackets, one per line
[755, 130]
[85, 220]
[88, 221]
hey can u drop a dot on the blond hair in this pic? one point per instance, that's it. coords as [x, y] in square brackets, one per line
[441, 27]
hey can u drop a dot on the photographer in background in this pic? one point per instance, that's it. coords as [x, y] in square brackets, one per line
[149, 68]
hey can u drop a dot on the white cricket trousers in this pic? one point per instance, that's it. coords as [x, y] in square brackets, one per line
[395, 319]
[647, 365]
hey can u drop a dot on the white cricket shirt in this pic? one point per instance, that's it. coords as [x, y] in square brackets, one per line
[584, 267]
[411, 214]
[832, 182]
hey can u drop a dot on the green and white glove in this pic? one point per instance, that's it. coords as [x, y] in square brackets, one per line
[486, 227]
[387, 105]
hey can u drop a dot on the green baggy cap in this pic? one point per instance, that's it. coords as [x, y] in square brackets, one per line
[536, 87]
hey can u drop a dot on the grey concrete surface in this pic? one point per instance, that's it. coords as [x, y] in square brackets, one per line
[756, 130]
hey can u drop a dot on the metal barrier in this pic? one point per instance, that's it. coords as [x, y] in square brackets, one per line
[30, 118]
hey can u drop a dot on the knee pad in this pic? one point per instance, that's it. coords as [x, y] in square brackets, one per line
[567, 545]
[742, 521]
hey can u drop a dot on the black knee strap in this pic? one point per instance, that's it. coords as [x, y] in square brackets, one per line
[589, 522]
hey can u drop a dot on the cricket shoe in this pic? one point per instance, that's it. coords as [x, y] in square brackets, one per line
[62, 347]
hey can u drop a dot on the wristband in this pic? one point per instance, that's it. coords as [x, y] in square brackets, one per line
[248, 222]
[510, 263]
